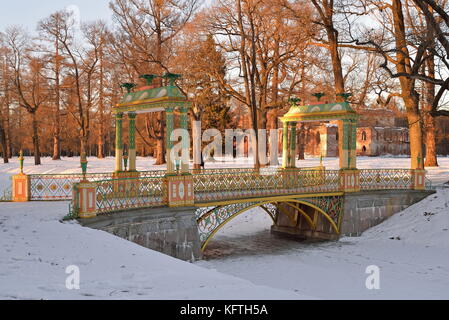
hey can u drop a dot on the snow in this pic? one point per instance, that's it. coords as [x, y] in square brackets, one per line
[36, 249]
[414, 267]
[244, 261]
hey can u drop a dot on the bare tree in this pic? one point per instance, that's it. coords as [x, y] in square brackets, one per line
[29, 82]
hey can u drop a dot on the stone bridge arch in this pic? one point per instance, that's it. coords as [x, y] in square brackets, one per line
[318, 217]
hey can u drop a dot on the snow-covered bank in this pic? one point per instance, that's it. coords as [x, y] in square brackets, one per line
[36, 249]
[411, 250]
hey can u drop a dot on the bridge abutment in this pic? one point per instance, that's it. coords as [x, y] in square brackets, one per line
[172, 231]
[361, 211]
[366, 209]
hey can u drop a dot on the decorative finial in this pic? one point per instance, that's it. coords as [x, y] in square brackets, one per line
[149, 78]
[84, 165]
[172, 77]
[419, 161]
[345, 96]
[294, 101]
[125, 159]
[321, 160]
[319, 95]
[21, 159]
[128, 86]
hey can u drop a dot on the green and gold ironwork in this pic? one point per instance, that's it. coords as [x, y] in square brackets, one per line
[211, 219]
[128, 194]
[386, 179]
[254, 183]
[56, 187]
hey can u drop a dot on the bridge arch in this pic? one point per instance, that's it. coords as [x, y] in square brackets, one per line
[211, 220]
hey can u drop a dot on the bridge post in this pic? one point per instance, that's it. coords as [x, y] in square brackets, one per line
[419, 179]
[350, 180]
[180, 190]
[85, 199]
[21, 188]
[21, 184]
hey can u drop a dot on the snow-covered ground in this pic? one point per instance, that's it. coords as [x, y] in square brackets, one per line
[36, 249]
[413, 265]
[244, 260]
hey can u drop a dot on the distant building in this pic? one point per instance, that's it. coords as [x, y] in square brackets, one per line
[380, 132]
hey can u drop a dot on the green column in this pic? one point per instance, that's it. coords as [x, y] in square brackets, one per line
[132, 141]
[185, 140]
[353, 145]
[285, 153]
[169, 144]
[345, 152]
[292, 163]
[119, 142]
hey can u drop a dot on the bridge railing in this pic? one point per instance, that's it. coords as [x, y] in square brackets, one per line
[151, 189]
[56, 187]
[386, 179]
[264, 182]
[125, 194]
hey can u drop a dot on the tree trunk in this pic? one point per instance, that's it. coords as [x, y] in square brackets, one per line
[160, 152]
[160, 141]
[408, 92]
[429, 121]
[4, 144]
[100, 141]
[36, 150]
[57, 119]
[100, 145]
[83, 145]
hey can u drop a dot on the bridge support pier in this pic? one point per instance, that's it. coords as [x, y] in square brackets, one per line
[172, 231]
[303, 223]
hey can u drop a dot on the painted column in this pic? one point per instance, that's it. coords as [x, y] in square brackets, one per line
[119, 142]
[185, 140]
[285, 153]
[343, 129]
[169, 114]
[292, 163]
[132, 142]
[349, 175]
[197, 135]
[352, 153]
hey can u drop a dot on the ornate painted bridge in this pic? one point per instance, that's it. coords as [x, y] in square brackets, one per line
[311, 197]
[308, 202]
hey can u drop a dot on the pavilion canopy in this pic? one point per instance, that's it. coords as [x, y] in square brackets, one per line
[152, 99]
[320, 112]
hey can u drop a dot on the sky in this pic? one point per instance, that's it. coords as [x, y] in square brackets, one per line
[29, 12]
